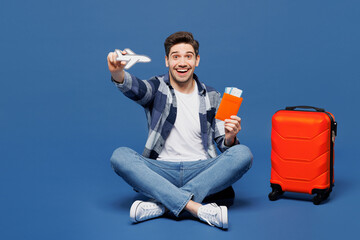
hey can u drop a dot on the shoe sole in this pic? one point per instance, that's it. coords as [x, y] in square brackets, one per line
[224, 217]
[133, 208]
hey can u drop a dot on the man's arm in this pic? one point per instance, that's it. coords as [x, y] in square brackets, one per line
[140, 91]
[116, 68]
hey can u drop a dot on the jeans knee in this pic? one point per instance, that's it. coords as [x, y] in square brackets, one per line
[243, 155]
[118, 157]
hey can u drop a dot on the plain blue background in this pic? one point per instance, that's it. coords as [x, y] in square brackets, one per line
[61, 117]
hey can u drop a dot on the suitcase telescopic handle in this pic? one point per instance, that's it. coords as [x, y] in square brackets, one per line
[306, 107]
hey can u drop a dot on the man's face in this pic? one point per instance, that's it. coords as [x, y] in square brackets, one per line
[182, 62]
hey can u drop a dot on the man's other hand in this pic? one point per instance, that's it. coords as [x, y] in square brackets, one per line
[232, 127]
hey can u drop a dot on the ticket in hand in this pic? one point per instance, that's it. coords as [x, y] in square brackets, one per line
[230, 103]
[233, 91]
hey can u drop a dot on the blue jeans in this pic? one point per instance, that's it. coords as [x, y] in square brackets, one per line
[175, 183]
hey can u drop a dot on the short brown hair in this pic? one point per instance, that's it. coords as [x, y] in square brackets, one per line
[181, 37]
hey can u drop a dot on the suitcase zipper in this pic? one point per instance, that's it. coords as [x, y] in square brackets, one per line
[332, 141]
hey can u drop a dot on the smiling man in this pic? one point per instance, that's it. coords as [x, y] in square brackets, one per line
[179, 166]
[181, 61]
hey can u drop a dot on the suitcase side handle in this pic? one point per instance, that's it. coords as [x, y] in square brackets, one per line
[305, 107]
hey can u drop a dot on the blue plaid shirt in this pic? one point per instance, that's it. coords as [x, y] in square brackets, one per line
[157, 97]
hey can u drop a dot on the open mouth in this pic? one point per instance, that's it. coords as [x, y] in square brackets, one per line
[182, 71]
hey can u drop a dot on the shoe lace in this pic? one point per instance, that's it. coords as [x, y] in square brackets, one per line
[210, 215]
[151, 209]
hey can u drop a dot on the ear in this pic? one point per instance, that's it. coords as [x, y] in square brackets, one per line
[197, 60]
[166, 61]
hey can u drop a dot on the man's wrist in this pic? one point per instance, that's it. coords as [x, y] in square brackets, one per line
[114, 81]
[229, 143]
[118, 78]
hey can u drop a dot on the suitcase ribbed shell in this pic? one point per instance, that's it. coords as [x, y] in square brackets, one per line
[300, 155]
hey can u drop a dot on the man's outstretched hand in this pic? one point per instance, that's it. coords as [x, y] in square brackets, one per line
[116, 68]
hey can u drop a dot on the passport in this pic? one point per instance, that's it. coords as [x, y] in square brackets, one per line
[230, 103]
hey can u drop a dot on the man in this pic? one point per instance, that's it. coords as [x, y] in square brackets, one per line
[179, 166]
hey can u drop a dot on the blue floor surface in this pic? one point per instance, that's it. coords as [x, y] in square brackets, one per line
[76, 195]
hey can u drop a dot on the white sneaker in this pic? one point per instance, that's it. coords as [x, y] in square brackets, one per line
[141, 211]
[214, 215]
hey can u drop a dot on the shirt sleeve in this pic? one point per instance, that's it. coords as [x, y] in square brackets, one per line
[126, 84]
[140, 91]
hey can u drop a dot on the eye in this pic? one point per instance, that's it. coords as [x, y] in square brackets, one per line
[189, 56]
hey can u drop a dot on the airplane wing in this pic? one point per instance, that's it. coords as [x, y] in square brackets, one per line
[131, 63]
[128, 50]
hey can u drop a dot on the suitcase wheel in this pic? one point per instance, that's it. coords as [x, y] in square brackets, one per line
[276, 192]
[321, 196]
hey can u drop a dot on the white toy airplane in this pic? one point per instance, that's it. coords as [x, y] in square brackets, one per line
[131, 58]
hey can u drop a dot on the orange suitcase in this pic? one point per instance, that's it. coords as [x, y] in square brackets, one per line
[302, 152]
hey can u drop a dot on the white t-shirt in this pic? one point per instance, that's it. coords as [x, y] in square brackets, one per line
[184, 141]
